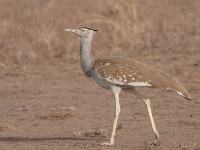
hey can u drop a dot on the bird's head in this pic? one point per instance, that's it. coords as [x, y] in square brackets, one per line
[83, 32]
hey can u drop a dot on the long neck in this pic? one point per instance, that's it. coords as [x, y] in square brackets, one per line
[85, 54]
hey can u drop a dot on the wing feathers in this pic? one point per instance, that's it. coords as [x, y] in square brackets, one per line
[125, 71]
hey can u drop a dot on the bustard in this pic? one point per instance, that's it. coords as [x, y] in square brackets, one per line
[123, 74]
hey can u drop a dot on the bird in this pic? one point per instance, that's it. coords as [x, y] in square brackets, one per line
[118, 73]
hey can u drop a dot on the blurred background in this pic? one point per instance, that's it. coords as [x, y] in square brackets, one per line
[32, 31]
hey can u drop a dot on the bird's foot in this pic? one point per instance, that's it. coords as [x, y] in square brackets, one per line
[153, 143]
[107, 144]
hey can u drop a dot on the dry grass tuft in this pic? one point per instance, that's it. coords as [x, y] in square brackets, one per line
[57, 113]
[195, 123]
[54, 115]
[91, 133]
[58, 108]
[6, 127]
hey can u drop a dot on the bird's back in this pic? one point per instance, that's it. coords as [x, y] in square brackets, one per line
[128, 72]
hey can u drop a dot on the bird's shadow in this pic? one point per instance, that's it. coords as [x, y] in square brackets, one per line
[36, 139]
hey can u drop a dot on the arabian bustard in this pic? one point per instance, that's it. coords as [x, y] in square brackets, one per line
[123, 74]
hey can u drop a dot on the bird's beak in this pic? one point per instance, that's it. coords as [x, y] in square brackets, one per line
[71, 30]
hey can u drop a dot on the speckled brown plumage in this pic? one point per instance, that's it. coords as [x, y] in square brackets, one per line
[128, 72]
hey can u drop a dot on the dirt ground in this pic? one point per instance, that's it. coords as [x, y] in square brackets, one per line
[48, 103]
[56, 107]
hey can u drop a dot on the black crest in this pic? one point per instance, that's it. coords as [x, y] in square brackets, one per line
[89, 28]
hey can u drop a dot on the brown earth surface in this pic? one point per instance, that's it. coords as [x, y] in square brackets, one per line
[48, 103]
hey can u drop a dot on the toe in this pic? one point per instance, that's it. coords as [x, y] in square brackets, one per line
[107, 144]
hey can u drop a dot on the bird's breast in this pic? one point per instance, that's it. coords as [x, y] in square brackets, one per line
[100, 81]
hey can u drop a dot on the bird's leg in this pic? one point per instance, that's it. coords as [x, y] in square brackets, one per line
[147, 102]
[115, 92]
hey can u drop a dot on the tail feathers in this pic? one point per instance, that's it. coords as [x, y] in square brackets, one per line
[179, 89]
[185, 95]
